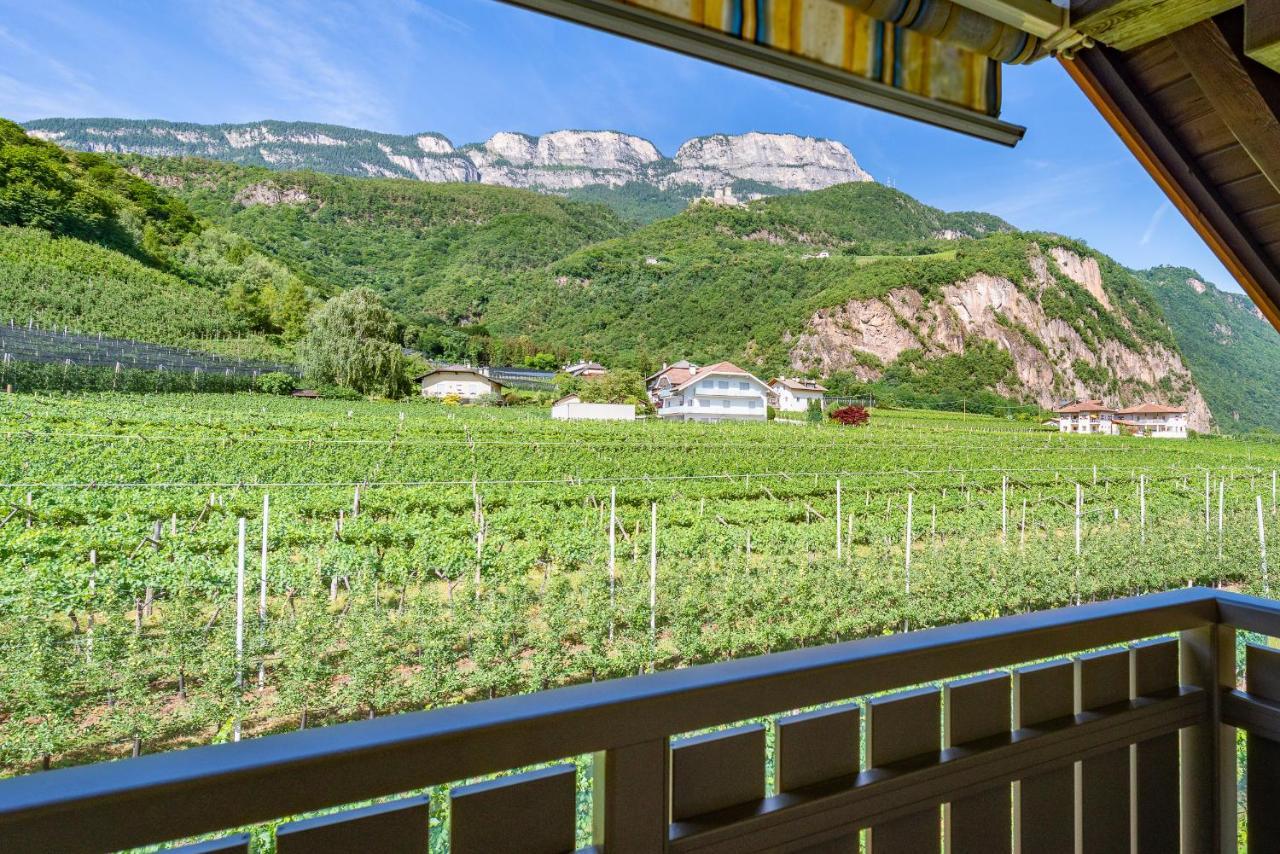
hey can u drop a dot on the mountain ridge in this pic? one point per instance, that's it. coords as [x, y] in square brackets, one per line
[728, 168]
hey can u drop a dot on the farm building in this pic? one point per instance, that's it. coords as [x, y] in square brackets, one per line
[466, 382]
[1144, 419]
[719, 392]
[1153, 419]
[790, 394]
[1086, 416]
[571, 408]
[586, 369]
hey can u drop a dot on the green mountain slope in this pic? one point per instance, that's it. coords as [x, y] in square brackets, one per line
[1231, 349]
[86, 244]
[755, 283]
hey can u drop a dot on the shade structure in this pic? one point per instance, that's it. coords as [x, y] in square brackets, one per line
[931, 60]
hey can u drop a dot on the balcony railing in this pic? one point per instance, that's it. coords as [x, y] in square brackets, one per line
[1130, 742]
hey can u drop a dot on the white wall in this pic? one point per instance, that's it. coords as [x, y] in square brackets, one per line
[594, 412]
[796, 401]
[466, 386]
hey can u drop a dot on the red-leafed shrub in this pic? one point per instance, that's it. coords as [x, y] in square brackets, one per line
[850, 416]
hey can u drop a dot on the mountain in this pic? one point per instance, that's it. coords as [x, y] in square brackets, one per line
[625, 171]
[1233, 352]
[856, 280]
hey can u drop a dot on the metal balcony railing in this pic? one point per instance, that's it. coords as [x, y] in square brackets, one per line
[1132, 745]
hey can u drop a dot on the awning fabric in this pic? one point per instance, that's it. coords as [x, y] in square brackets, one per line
[927, 59]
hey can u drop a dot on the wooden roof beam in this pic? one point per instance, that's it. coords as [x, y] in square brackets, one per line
[1215, 59]
[1099, 74]
[1126, 24]
[1262, 32]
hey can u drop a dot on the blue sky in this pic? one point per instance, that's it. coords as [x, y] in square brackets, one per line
[469, 68]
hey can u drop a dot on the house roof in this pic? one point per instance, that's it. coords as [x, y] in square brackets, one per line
[568, 398]
[721, 368]
[584, 366]
[797, 384]
[1084, 406]
[1152, 409]
[459, 369]
[682, 365]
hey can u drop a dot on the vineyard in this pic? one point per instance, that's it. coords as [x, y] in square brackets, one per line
[418, 555]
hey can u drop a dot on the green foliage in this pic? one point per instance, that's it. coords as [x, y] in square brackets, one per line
[1233, 354]
[352, 342]
[617, 386]
[275, 383]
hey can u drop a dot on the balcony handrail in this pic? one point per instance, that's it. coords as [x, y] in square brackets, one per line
[183, 793]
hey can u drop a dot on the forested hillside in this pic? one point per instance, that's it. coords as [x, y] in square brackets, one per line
[1231, 349]
[83, 243]
[857, 282]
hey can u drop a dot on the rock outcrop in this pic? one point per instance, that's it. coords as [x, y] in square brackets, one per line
[727, 168]
[1045, 350]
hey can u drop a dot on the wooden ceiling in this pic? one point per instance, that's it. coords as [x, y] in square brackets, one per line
[1201, 116]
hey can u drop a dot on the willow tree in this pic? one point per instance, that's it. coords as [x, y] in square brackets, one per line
[353, 341]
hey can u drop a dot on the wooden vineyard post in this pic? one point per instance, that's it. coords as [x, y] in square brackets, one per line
[1022, 526]
[839, 521]
[1142, 507]
[355, 503]
[1262, 550]
[1095, 474]
[1221, 489]
[907, 557]
[1079, 511]
[653, 585]
[262, 593]
[478, 517]
[1004, 510]
[1273, 492]
[235, 735]
[613, 551]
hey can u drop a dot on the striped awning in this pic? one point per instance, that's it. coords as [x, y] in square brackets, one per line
[933, 60]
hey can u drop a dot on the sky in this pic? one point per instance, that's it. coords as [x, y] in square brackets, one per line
[470, 68]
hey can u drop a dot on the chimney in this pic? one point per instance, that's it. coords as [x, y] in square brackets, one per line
[664, 366]
[693, 369]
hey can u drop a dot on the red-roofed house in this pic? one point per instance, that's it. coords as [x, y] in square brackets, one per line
[1153, 419]
[719, 392]
[1086, 416]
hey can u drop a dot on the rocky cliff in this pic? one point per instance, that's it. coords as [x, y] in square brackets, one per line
[729, 168]
[1052, 360]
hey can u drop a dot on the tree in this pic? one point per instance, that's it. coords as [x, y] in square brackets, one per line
[615, 387]
[850, 416]
[352, 342]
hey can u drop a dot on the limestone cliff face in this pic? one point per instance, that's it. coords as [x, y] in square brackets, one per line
[1045, 350]
[714, 167]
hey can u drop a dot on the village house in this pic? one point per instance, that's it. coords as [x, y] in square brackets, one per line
[719, 392]
[466, 382]
[1153, 419]
[1086, 416]
[586, 369]
[1145, 419]
[791, 394]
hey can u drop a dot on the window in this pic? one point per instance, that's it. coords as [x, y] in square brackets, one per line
[726, 403]
[744, 386]
[705, 402]
[709, 387]
[724, 384]
[753, 403]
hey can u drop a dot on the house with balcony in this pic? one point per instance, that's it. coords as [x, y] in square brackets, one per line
[1155, 420]
[793, 394]
[1091, 417]
[719, 392]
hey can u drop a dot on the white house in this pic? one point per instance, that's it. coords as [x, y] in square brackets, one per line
[1086, 416]
[571, 408]
[466, 382]
[1153, 419]
[793, 395]
[719, 392]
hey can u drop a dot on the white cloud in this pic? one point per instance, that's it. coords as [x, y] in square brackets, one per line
[1156, 216]
[34, 84]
